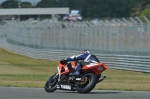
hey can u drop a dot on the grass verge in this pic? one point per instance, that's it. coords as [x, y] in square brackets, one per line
[21, 71]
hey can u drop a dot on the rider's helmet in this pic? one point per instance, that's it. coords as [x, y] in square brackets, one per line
[86, 52]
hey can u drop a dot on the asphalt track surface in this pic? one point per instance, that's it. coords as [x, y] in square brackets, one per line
[39, 93]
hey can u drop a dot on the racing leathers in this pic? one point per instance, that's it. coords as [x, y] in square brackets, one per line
[86, 58]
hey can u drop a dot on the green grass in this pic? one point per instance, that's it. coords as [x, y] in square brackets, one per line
[21, 71]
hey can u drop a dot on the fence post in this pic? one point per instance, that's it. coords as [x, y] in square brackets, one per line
[104, 35]
[122, 35]
[90, 34]
[135, 35]
[24, 35]
[85, 34]
[44, 32]
[116, 24]
[110, 35]
[141, 39]
[148, 34]
[99, 28]
[8, 28]
[80, 36]
[128, 40]
[51, 35]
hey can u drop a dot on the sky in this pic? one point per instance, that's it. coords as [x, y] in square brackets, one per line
[32, 1]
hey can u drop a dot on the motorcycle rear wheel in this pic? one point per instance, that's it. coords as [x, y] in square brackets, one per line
[50, 85]
[88, 84]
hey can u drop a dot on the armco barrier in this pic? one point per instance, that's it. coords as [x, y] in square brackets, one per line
[125, 62]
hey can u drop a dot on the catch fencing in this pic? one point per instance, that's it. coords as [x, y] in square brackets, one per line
[120, 43]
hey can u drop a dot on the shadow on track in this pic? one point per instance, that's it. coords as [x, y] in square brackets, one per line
[97, 92]
[104, 93]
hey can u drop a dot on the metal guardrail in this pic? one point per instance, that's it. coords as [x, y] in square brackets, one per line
[125, 62]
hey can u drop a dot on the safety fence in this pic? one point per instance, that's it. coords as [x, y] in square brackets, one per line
[117, 36]
[120, 43]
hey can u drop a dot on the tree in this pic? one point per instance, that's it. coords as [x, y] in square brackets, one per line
[137, 10]
[100, 8]
[47, 3]
[10, 4]
[26, 5]
[146, 12]
[14, 4]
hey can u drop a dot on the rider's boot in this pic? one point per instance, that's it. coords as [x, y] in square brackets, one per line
[77, 70]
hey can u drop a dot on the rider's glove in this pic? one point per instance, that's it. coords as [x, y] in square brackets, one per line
[63, 62]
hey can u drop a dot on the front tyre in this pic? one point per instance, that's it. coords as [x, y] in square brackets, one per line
[50, 85]
[89, 83]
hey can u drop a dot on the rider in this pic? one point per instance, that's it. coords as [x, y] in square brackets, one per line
[85, 57]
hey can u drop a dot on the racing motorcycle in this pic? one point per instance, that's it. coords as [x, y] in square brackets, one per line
[64, 80]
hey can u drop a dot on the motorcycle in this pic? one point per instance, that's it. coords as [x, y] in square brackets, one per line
[64, 80]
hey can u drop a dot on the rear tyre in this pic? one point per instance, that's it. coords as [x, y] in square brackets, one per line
[89, 83]
[50, 85]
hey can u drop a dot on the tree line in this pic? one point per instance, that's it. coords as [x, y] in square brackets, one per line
[91, 8]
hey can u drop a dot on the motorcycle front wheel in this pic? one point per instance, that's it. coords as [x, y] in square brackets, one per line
[88, 84]
[51, 83]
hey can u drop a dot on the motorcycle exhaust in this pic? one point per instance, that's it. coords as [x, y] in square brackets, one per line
[101, 79]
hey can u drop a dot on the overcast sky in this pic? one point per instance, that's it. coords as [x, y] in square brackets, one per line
[32, 1]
